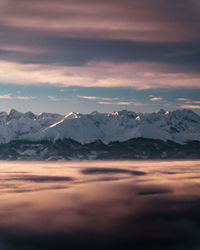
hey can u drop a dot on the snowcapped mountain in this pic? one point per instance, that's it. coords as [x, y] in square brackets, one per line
[178, 126]
[15, 125]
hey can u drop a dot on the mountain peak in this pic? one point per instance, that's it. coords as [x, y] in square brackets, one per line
[95, 113]
[12, 111]
[72, 115]
[14, 114]
[161, 111]
[178, 126]
[124, 125]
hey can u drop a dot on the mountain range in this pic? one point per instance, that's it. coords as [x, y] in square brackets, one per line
[89, 135]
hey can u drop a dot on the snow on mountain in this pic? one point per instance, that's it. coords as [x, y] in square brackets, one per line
[178, 126]
[15, 125]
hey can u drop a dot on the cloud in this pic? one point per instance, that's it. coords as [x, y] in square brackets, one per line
[97, 98]
[95, 171]
[80, 51]
[183, 99]
[141, 44]
[7, 96]
[40, 178]
[156, 99]
[23, 49]
[188, 106]
[26, 97]
[139, 20]
[123, 103]
[195, 102]
[130, 103]
[53, 98]
[188, 101]
[141, 75]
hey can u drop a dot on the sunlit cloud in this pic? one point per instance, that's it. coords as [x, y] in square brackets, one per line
[131, 103]
[187, 106]
[53, 98]
[8, 96]
[195, 102]
[140, 44]
[156, 99]
[26, 97]
[122, 103]
[97, 98]
[99, 74]
[108, 103]
[188, 101]
[183, 99]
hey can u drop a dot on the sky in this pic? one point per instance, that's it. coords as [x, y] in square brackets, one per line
[74, 55]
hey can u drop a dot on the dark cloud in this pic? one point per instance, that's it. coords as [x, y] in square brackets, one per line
[154, 191]
[76, 33]
[133, 20]
[39, 178]
[150, 212]
[167, 223]
[45, 49]
[111, 171]
[19, 189]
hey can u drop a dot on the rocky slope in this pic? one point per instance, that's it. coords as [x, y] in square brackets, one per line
[67, 149]
[115, 135]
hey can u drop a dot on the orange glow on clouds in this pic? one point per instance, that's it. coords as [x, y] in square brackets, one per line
[94, 74]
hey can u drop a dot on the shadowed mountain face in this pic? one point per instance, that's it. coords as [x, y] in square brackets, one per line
[67, 149]
[178, 126]
[101, 205]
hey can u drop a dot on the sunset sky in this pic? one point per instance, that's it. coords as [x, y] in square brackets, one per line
[85, 55]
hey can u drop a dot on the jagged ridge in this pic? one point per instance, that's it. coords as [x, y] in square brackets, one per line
[178, 126]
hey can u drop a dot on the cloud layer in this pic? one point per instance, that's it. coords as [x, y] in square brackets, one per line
[140, 44]
[139, 20]
[99, 74]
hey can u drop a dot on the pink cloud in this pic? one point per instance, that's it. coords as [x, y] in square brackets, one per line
[156, 99]
[26, 97]
[138, 20]
[188, 101]
[195, 102]
[99, 74]
[183, 99]
[184, 106]
[123, 103]
[7, 96]
[96, 98]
